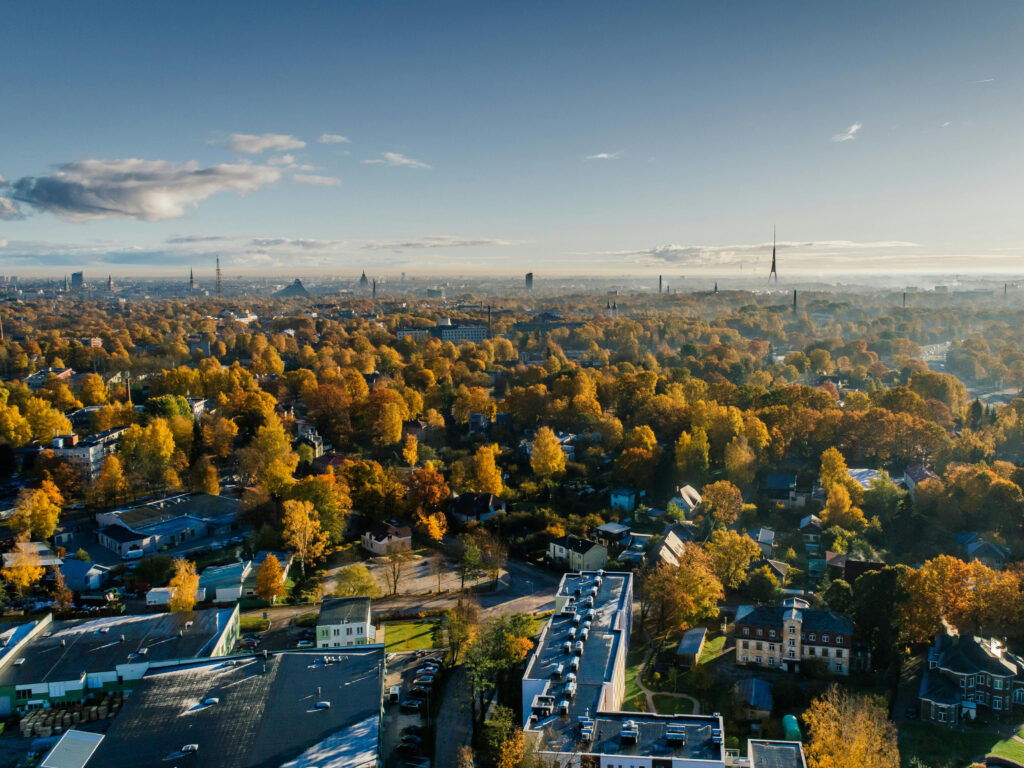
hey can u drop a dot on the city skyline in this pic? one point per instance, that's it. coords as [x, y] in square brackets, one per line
[578, 139]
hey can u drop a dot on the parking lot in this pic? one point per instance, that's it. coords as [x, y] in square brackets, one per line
[402, 670]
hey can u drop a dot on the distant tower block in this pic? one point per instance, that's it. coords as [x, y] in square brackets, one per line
[904, 299]
[716, 286]
[191, 281]
[773, 271]
[659, 283]
[110, 283]
[364, 283]
[374, 289]
[529, 281]
[220, 285]
[794, 300]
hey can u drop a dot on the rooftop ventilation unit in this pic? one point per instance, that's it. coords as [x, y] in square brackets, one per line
[675, 734]
[557, 674]
[567, 646]
[572, 633]
[578, 648]
[563, 707]
[570, 690]
[630, 733]
[322, 705]
[189, 749]
[574, 665]
[584, 634]
[211, 701]
[19, 662]
[716, 735]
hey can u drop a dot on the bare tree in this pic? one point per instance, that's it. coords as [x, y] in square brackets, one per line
[396, 562]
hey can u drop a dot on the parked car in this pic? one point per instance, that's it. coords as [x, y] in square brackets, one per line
[305, 644]
[416, 730]
[419, 692]
[406, 748]
[412, 705]
[411, 738]
[426, 680]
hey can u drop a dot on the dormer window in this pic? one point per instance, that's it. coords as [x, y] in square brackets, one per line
[771, 633]
[811, 637]
[746, 630]
[824, 638]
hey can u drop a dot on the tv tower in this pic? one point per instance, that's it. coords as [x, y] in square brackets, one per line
[773, 270]
[220, 288]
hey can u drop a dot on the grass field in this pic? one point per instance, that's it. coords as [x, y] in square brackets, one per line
[253, 624]
[634, 700]
[412, 635]
[939, 747]
[712, 649]
[669, 705]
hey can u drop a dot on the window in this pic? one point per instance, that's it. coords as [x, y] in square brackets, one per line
[942, 715]
[745, 658]
[997, 703]
[760, 646]
[746, 630]
[1018, 695]
[811, 637]
[771, 647]
[839, 639]
[824, 653]
[839, 667]
[997, 684]
[810, 651]
[771, 633]
[771, 662]
[24, 693]
[963, 682]
[760, 632]
[791, 629]
[824, 638]
[348, 630]
[839, 653]
[792, 654]
[746, 644]
[792, 643]
[757, 659]
[359, 630]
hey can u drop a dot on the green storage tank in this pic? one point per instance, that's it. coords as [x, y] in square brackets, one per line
[792, 728]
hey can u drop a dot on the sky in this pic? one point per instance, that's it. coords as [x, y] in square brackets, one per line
[466, 138]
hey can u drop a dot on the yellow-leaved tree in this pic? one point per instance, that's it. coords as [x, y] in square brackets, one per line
[486, 477]
[849, 731]
[411, 450]
[185, 586]
[24, 569]
[547, 458]
[270, 579]
[302, 532]
[37, 510]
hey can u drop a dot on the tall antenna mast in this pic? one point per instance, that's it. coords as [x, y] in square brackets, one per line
[220, 287]
[774, 271]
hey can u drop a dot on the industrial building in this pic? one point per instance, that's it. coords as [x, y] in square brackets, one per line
[50, 663]
[292, 709]
[169, 521]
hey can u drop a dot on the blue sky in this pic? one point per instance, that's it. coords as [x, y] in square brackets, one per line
[560, 137]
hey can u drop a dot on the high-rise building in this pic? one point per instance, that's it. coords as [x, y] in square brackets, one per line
[77, 281]
[529, 281]
[364, 283]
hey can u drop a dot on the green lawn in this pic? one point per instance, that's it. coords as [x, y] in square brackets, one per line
[939, 747]
[253, 624]
[634, 700]
[670, 705]
[712, 649]
[412, 635]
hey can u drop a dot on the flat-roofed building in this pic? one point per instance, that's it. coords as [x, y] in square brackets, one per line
[345, 621]
[170, 521]
[763, 753]
[575, 682]
[62, 662]
[292, 709]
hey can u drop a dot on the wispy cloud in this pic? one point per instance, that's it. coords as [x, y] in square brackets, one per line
[849, 134]
[320, 181]
[985, 80]
[281, 160]
[149, 190]
[333, 138]
[697, 255]
[9, 209]
[396, 160]
[256, 144]
[947, 124]
[603, 156]
[443, 241]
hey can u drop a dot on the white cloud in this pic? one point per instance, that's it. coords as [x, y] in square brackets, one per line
[255, 144]
[442, 241]
[396, 160]
[281, 160]
[3, 243]
[985, 80]
[946, 124]
[321, 181]
[603, 156]
[849, 134]
[332, 138]
[150, 190]
[8, 209]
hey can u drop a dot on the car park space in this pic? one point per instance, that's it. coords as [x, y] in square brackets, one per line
[410, 687]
